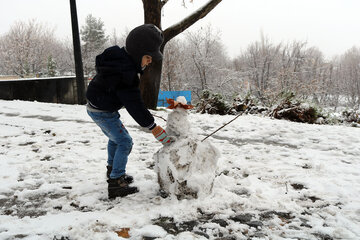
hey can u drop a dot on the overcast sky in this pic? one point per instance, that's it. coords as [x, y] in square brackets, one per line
[331, 25]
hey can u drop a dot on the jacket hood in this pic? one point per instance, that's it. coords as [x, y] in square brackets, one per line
[115, 60]
[143, 40]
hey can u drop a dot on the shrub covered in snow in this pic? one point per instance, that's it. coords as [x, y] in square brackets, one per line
[351, 116]
[295, 111]
[248, 104]
[287, 106]
[213, 103]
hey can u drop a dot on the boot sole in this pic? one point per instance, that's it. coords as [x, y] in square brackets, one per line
[121, 194]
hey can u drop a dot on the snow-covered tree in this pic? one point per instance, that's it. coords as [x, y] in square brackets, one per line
[94, 39]
[272, 69]
[261, 60]
[350, 73]
[207, 66]
[51, 67]
[26, 47]
[64, 56]
[3, 70]
[115, 39]
[173, 67]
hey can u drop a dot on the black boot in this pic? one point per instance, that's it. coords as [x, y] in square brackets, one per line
[129, 179]
[120, 188]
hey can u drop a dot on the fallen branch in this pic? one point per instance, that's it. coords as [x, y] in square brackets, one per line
[241, 113]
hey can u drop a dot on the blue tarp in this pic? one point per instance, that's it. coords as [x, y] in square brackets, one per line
[172, 94]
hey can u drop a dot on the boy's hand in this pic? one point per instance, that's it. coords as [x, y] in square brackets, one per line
[160, 134]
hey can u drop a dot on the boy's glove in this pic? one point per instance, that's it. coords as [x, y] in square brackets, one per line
[160, 134]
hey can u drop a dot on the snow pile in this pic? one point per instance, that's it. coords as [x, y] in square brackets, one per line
[186, 167]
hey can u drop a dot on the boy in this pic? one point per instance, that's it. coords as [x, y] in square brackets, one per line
[116, 85]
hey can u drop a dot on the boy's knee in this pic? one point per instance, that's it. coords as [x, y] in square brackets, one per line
[126, 142]
[129, 145]
[130, 142]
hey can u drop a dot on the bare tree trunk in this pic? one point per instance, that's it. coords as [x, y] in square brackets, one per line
[152, 12]
[150, 80]
[150, 84]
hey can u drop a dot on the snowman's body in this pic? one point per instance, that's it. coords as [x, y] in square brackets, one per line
[186, 167]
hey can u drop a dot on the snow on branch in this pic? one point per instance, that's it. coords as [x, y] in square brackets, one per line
[181, 26]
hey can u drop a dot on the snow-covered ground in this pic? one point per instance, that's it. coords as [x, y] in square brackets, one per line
[275, 180]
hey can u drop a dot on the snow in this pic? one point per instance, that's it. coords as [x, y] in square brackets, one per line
[181, 99]
[151, 231]
[293, 180]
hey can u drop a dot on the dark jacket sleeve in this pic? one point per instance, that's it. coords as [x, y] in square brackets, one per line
[131, 98]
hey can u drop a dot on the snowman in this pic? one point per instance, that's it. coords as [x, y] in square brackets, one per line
[186, 166]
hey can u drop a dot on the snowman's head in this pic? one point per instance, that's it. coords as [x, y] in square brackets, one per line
[180, 103]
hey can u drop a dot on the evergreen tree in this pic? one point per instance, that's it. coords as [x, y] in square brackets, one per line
[51, 67]
[94, 39]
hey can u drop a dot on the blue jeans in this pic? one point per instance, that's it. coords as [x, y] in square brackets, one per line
[119, 144]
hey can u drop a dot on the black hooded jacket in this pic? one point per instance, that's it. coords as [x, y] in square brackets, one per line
[116, 85]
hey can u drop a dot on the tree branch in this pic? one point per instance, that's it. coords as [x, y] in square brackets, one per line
[163, 2]
[181, 26]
